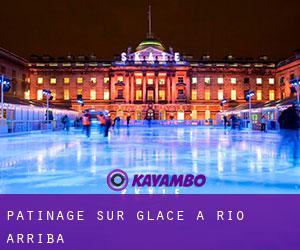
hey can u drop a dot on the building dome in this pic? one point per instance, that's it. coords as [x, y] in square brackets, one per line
[150, 42]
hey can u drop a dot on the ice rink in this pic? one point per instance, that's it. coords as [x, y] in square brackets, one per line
[233, 162]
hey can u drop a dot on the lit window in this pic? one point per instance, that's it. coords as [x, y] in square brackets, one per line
[120, 79]
[79, 80]
[106, 94]
[220, 80]
[40, 80]
[194, 80]
[194, 94]
[40, 94]
[138, 81]
[207, 114]
[220, 94]
[106, 79]
[180, 79]
[93, 94]
[162, 81]
[207, 95]
[233, 94]
[150, 95]
[271, 95]
[66, 94]
[207, 80]
[93, 80]
[258, 80]
[27, 95]
[79, 91]
[259, 95]
[52, 80]
[161, 95]
[138, 95]
[271, 80]
[233, 80]
[66, 80]
[150, 81]
[53, 93]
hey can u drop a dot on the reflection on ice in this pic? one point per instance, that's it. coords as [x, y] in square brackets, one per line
[235, 162]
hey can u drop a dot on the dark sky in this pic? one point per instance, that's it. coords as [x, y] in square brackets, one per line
[243, 28]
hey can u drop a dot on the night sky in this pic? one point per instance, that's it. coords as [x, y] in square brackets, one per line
[244, 28]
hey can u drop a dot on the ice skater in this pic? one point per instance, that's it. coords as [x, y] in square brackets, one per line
[86, 122]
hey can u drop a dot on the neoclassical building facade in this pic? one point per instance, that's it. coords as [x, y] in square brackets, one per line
[154, 82]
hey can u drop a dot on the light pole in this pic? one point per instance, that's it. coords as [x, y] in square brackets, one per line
[223, 102]
[5, 87]
[47, 93]
[248, 97]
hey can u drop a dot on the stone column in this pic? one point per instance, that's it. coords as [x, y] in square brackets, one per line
[144, 87]
[169, 82]
[188, 88]
[156, 87]
[127, 94]
[112, 88]
[132, 90]
[173, 84]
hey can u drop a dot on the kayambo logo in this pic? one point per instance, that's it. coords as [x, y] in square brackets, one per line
[118, 180]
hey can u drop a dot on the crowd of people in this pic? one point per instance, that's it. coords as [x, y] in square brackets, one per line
[288, 119]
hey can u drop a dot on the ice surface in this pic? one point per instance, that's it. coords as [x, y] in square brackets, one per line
[233, 162]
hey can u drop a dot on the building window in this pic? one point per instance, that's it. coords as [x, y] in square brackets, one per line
[93, 80]
[138, 81]
[180, 79]
[259, 95]
[233, 80]
[207, 80]
[52, 80]
[106, 94]
[66, 80]
[120, 78]
[40, 80]
[120, 94]
[162, 81]
[220, 94]
[150, 81]
[194, 80]
[93, 94]
[66, 94]
[281, 80]
[194, 94]
[207, 95]
[233, 94]
[258, 80]
[53, 93]
[79, 91]
[220, 80]
[271, 80]
[161, 95]
[246, 80]
[138, 95]
[271, 95]
[106, 79]
[79, 80]
[40, 94]
[27, 95]
[150, 95]
[207, 114]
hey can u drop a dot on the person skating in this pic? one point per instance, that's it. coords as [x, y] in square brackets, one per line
[263, 123]
[128, 120]
[107, 125]
[86, 122]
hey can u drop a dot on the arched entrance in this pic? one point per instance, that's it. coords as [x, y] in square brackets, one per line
[180, 115]
[150, 114]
